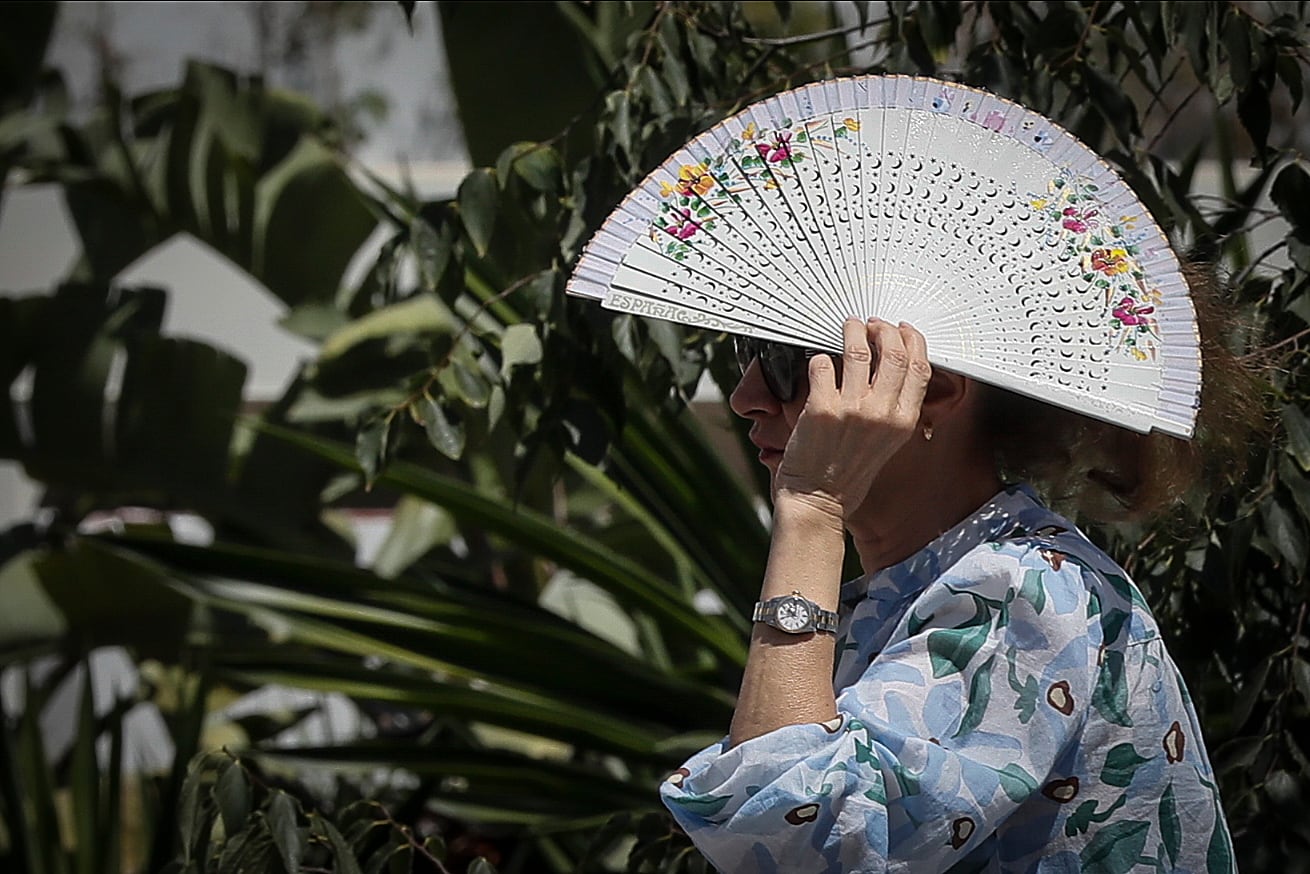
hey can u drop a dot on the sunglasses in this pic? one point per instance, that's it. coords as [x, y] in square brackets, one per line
[780, 365]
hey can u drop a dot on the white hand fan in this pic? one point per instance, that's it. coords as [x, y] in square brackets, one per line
[1022, 257]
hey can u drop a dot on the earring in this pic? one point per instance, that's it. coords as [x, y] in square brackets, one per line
[927, 432]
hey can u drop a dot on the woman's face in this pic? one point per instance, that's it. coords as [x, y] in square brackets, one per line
[772, 420]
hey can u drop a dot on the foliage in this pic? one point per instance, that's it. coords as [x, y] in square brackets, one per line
[524, 438]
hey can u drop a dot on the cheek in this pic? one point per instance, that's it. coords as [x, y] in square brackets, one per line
[791, 412]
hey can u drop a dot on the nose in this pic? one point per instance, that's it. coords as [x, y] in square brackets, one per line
[752, 398]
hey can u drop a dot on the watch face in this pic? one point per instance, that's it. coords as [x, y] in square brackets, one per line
[793, 615]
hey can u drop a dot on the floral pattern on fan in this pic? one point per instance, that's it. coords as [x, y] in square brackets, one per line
[1108, 252]
[691, 204]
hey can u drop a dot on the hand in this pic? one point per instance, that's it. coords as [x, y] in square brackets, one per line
[845, 434]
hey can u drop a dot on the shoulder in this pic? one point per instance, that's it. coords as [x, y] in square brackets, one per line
[1056, 568]
[1009, 562]
[1051, 567]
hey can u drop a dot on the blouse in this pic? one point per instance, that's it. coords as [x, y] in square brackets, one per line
[1005, 703]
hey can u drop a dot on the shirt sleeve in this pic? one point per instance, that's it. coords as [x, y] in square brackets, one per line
[979, 695]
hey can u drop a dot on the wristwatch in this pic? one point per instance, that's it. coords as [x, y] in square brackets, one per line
[795, 614]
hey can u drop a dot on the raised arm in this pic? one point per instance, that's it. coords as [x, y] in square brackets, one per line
[851, 424]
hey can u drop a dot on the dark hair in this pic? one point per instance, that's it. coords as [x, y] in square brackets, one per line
[1109, 473]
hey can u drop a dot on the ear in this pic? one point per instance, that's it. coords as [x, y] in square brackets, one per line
[948, 394]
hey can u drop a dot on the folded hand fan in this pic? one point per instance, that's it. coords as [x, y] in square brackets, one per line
[1022, 257]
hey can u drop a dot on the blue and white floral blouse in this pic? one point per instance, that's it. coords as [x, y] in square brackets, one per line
[1005, 703]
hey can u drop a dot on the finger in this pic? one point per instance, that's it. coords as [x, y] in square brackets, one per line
[857, 356]
[823, 381]
[918, 370]
[893, 362]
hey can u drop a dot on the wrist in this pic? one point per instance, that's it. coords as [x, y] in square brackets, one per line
[818, 514]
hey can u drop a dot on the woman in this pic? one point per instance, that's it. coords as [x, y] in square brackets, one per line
[995, 694]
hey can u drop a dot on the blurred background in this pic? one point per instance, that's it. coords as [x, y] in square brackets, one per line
[334, 536]
[388, 82]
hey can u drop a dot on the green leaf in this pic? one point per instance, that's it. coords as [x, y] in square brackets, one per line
[1110, 98]
[1237, 42]
[481, 866]
[467, 382]
[980, 694]
[371, 447]
[1017, 783]
[519, 345]
[314, 321]
[162, 438]
[28, 616]
[1121, 762]
[1291, 75]
[1171, 832]
[111, 598]
[630, 583]
[85, 779]
[540, 293]
[432, 252]
[424, 314]
[1112, 624]
[1034, 590]
[445, 436]
[673, 71]
[1285, 533]
[285, 831]
[1297, 426]
[1301, 678]
[1219, 852]
[522, 783]
[537, 164]
[952, 649]
[227, 109]
[1291, 193]
[661, 102]
[1116, 848]
[1253, 110]
[478, 200]
[1026, 703]
[232, 795]
[702, 805]
[618, 107]
[342, 855]
[416, 528]
[1110, 695]
[191, 815]
[310, 221]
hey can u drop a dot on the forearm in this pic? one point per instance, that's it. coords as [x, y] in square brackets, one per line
[788, 677]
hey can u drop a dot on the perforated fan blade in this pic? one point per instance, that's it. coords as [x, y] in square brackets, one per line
[1021, 256]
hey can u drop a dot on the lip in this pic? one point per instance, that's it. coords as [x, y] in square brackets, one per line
[767, 452]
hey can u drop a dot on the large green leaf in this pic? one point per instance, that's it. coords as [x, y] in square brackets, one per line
[79, 341]
[629, 583]
[309, 222]
[30, 622]
[515, 784]
[458, 630]
[162, 436]
[542, 714]
[110, 598]
[495, 110]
